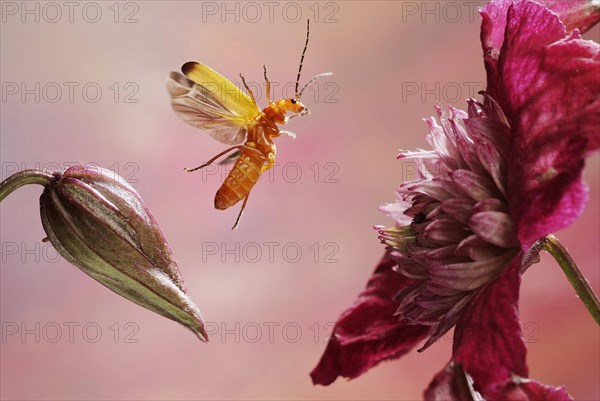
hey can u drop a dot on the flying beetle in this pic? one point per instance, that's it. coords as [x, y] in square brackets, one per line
[205, 99]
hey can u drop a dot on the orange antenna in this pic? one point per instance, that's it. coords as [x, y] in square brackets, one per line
[302, 58]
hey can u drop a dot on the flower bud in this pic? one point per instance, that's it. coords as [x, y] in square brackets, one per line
[99, 223]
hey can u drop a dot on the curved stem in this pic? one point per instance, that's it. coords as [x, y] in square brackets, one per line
[582, 287]
[21, 178]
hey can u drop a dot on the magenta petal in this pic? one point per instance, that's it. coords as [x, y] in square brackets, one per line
[468, 276]
[368, 332]
[554, 111]
[452, 384]
[488, 341]
[577, 14]
[530, 390]
[535, 391]
[494, 131]
[458, 208]
[570, 15]
[489, 344]
[444, 232]
[494, 164]
[544, 207]
[497, 228]
[574, 14]
[440, 388]
[477, 249]
[476, 186]
[493, 24]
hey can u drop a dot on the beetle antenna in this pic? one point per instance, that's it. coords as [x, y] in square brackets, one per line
[325, 74]
[302, 58]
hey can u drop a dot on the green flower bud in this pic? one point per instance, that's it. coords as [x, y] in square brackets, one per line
[99, 223]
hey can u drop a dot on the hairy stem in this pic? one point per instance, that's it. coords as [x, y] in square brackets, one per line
[21, 178]
[582, 287]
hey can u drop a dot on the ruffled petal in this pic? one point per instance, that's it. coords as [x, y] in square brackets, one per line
[529, 390]
[575, 14]
[570, 14]
[489, 344]
[368, 332]
[453, 383]
[552, 94]
[539, 391]
[488, 341]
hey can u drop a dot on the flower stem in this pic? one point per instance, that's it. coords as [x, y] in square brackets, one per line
[21, 178]
[582, 287]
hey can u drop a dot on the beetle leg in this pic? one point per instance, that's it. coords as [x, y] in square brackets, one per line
[240, 147]
[247, 88]
[237, 221]
[288, 133]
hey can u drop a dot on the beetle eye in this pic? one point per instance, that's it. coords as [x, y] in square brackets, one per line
[293, 101]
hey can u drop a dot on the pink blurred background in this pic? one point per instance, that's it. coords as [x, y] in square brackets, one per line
[269, 314]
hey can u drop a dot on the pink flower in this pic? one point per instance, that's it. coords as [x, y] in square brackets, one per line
[500, 176]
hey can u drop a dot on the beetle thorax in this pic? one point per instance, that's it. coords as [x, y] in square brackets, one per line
[275, 112]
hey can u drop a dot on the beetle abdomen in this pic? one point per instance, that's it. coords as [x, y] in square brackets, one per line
[240, 180]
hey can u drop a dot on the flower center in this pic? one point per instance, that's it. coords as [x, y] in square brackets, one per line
[454, 233]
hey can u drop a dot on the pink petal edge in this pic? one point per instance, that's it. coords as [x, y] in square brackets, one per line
[368, 332]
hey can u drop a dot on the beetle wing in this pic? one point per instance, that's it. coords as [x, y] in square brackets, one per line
[229, 135]
[201, 108]
[223, 89]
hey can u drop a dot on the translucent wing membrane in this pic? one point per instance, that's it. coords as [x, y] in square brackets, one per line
[210, 104]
